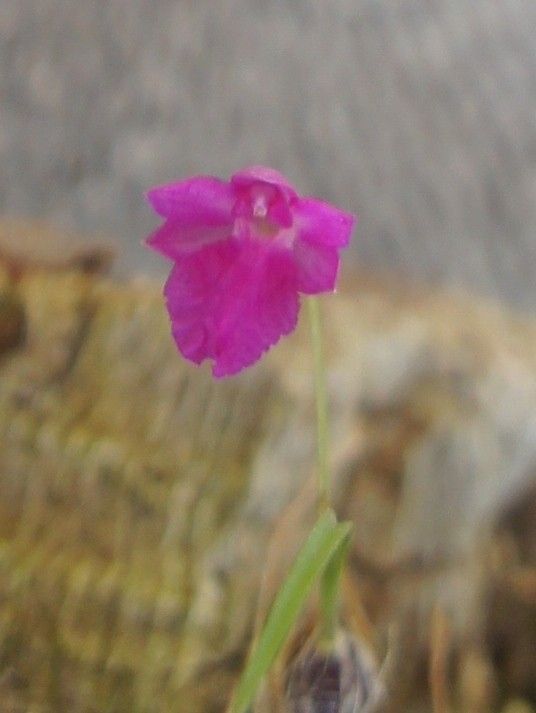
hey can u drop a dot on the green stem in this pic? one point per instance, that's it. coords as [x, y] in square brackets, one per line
[321, 404]
[330, 578]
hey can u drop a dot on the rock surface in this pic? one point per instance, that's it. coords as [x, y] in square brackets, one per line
[137, 496]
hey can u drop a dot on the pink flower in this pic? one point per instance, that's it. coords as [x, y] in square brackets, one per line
[243, 251]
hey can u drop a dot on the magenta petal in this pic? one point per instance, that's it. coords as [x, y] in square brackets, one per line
[202, 200]
[193, 297]
[262, 174]
[198, 213]
[277, 305]
[173, 238]
[230, 302]
[322, 223]
[317, 267]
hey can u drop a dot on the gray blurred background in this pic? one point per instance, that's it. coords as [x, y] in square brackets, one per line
[418, 114]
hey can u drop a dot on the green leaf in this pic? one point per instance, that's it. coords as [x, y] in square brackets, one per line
[329, 589]
[323, 542]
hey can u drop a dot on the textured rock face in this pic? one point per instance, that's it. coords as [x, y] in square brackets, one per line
[137, 496]
[418, 115]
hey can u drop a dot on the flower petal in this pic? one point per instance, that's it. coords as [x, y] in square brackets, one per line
[174, 239]
[322, 223]
[262, 174]
[317, 266]
[202, 200]
[198, 213]
[230, 302]
[276, 309]
[192, 292]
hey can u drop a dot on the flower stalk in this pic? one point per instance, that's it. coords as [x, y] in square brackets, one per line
[321, 402]
[331, 575]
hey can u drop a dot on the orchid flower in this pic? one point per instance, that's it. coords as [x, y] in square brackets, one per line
[243, 252]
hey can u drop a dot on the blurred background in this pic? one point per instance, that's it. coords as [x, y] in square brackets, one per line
[418, 114]
[137, 496]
